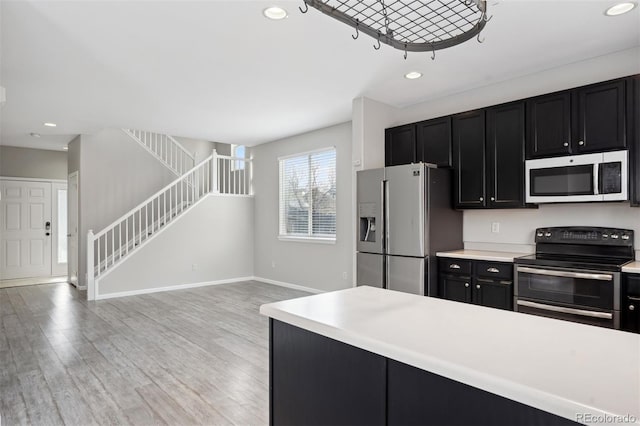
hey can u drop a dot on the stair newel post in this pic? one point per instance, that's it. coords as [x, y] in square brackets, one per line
[214, 172]
[91, 291]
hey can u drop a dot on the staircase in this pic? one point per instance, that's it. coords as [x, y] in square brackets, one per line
[165, 148]
[216, 175]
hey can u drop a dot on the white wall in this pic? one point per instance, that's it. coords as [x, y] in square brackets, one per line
[216, 235]
[115, 174]
[32, 163]
[314, 265]
[619, 64]
[517, 226]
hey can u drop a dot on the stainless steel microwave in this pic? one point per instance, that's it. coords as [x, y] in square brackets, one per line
[576, 178]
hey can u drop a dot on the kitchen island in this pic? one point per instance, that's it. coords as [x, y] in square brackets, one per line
[371, 356]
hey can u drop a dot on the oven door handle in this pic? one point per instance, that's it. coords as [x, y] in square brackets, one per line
[563, 310]
[568, 274]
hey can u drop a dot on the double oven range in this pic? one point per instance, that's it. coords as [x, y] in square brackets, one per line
[574, 275]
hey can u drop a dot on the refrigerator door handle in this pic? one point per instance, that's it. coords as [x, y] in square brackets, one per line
[385, 201]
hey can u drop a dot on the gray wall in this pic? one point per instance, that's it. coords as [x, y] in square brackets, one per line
[116, 174]
[32, 163]
[212, 242]
[202, 149]
[315, 265]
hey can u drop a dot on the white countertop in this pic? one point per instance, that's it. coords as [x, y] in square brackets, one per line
[633, 267]
[492, 256]
[557, 366]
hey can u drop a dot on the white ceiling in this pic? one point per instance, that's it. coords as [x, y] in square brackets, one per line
[218, 70]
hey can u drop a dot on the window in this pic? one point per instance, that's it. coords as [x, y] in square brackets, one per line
[238, 151]
[308, 195]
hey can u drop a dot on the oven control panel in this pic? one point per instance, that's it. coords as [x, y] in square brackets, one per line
[585, 235]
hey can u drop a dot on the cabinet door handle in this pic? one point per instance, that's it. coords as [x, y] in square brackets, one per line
[478, 286]
[493, 270]
[631, 307]
[581, 143]
[493, 198]
[466, 284]
[454, 266]
[566, 144]
[481, 198]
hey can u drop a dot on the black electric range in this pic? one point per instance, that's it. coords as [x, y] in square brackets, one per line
[574, 274]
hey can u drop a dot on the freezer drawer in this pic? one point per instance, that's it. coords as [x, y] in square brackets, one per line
[406, 274]
[370, 270]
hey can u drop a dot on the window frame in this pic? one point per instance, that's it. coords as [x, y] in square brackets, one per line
[309, 237]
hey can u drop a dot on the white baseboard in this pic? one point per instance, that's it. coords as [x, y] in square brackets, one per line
[170, 288]
[288, 285]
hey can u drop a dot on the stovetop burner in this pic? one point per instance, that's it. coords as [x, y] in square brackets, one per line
[592, 248]
[576, 262]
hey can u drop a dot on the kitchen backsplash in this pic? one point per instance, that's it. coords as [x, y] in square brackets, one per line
[517, 226]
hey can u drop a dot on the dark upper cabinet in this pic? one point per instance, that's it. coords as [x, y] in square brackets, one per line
[549, 124]
[469, 159]
[601, 117]
[505, 155]
[633, 121]
[433, 141]
[400, 145]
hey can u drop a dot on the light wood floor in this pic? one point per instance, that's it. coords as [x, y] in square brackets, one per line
[184, 357]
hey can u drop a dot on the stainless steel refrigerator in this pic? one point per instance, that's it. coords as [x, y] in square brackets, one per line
[404, 218]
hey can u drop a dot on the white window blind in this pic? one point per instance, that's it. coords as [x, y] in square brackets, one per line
[308, 195]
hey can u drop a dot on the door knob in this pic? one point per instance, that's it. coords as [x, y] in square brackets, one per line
[68, 235]
[47, 233]
[47, 225]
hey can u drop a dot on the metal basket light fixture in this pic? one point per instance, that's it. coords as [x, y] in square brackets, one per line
[409, 25]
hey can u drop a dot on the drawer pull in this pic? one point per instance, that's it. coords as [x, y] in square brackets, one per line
[493, 270]
[454, 266]
[635, 299]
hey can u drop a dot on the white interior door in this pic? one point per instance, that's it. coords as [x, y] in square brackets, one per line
[25, 229]
[59, 230]
[72, 228]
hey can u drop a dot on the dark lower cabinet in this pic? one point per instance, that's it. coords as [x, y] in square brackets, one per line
[400, 145]
[418, 397]
[455, 288]
[469, 160]
[630, 303]
[482, 283]
[319, 381]
[315, 380]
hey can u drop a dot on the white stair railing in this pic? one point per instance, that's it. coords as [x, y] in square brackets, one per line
[165, 148]
[217, 174]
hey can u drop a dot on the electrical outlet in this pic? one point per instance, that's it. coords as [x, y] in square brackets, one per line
[344, 275]
[194, 266]
[273, 263]
[495, 227]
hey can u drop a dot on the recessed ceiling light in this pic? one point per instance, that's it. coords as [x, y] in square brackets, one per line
[620, 8]
[274, 12]
[66, 148]
[50, 124]
[34, 135]
[413, 75]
